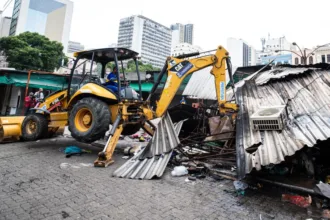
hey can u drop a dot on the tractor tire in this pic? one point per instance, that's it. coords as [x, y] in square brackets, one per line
[89, 120]
[34, 127]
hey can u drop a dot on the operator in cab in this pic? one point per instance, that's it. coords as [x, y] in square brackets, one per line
[112, 82]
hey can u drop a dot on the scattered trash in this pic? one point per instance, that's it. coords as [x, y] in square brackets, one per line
[141, 139]
[77, 166]
[67, 166]
[200, 176]
[73, 150]
[192, 178]
[130, 151]
[53, 140]
[65, 214]
[269, 216]
[324, 188]
[239, 185]
[37, 141]
[187, 180]
[125, 157]
[327, 179]
[179, 171]
[301, 201]
[326, 213]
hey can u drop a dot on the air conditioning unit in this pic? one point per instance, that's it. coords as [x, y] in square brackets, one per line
[269, 118]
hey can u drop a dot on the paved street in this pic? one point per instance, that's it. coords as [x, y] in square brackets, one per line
[35, 186]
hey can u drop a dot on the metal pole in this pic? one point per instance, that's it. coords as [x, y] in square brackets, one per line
[139, 78]
[91, 70]
[122, 67]
[118, 77]
[160, 76]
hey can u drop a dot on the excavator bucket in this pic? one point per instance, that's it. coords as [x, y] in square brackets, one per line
[10, 128]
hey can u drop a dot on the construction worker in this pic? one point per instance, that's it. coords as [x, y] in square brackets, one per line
[39, 95]
[112, 80]
[29, 102]
[183, 101]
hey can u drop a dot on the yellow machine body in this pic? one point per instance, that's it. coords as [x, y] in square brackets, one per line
[10, 127]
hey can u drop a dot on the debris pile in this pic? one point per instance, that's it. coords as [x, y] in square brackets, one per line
[207, 141]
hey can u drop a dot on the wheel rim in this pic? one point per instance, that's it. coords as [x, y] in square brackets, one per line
[31, 127]
[83, 119]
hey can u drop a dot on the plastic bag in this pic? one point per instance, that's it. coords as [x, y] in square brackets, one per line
[179, 171]
[301, 201]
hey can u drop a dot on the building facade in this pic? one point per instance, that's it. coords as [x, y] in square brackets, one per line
[51, 18]
[150, 39]
[277, 59]
[182, 34]
[189, 33]
[75, 47]
[177, 34]
[314, 55]
[272, 47]
[241, 53]
[185, 48]
[4, 25]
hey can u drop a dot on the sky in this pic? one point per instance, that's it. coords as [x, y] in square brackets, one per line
[95, 23]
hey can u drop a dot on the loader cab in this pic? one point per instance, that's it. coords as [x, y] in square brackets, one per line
[90, 67]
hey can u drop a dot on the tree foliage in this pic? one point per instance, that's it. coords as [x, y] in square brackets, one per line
[32, 51]
[132, 68]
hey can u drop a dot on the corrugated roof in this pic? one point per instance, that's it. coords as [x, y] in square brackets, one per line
[151, 161]
[201, 85]
[307, 96]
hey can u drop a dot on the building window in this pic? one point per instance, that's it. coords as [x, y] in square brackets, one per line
[296, 61]
[323, 58]
[328, 58]
[310, 60]
[302, 60]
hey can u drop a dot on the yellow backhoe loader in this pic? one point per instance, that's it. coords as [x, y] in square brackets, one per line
[90, 105]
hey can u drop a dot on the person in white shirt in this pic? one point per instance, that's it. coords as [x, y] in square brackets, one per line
[39, 95]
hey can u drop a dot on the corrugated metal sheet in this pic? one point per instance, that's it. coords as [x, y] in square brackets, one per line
[309, 115]
[151, 161]
[201, 85]
[278, 73]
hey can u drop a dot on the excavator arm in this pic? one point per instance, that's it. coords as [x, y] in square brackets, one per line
[179, 68]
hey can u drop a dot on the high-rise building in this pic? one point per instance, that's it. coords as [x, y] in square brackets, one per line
[182, 34]
[241, 53]
[177, 34]
[189, 33]
[51, 18]
[150, 39]
[4, 25]
[75, 47]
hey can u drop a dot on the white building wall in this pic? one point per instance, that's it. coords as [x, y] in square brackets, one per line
[67, 23]
[323, 51]
[280, 43]
[235, 49]
[5, 26]
[137, 34]
[175, 38]
[22, 17]
[55, 25]
[253, 60]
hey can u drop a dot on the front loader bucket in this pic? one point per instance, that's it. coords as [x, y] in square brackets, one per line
[10, 128]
